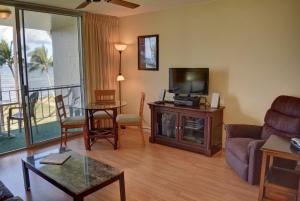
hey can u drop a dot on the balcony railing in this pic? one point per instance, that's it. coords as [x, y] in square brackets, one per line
[71, 94]
[45, 106]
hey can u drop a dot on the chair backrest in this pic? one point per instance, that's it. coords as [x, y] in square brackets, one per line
[143, 96]
[60, 107]
[283, 118]
[105, 96]
[33, 99]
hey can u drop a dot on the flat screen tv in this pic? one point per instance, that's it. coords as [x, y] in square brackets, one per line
[189, 81]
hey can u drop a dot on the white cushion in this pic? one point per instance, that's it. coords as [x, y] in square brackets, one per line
[103, 114]
[71, 121]
[128, 118]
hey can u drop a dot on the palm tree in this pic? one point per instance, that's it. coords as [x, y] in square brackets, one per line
[6, 56]
[40, 61]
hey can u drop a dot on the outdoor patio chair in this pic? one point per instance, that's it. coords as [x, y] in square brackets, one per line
[33, 98]
[67, 123]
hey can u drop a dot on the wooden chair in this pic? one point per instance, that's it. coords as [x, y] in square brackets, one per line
[104, 97]
[67, 123]
[33, 98]
[133, 119]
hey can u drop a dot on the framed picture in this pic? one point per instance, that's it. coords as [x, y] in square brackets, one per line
[148, 52]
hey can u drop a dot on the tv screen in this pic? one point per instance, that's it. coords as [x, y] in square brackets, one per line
[189, 81]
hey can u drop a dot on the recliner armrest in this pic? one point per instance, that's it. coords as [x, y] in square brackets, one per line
[243, 131]
[255, 145]
[255, 157]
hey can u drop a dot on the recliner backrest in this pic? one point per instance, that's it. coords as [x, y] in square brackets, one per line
[283, 118]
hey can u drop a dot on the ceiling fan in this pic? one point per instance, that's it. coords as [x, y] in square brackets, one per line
[117, 2]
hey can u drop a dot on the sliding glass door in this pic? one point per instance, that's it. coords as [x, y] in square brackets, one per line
[51, 66]
[12, 132]
[40, 58]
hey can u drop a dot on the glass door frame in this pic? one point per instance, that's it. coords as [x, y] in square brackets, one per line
[162, 135]
[20, 27]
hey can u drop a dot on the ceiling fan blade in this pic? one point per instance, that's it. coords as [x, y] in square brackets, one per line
[124, 3]
[84, 4]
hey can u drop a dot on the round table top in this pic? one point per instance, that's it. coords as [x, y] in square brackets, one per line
[104, 106]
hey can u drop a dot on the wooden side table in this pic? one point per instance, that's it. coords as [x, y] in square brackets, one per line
[278, 183]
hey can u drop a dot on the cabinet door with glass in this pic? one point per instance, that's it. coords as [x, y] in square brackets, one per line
[166, 124]
[192, 129]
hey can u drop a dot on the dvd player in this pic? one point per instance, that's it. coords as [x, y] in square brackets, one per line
[187, 101]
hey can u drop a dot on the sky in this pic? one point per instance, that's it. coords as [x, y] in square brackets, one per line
[34, 38]
[6, 33]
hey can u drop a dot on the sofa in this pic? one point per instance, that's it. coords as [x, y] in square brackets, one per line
[243, 142]
[6, 195]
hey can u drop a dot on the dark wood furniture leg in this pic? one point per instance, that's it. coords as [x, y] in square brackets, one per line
[115, 128]
[26, 176]
[92, 138]
[78, 198]
[86, 132]
[122, 187]
[298, 193]
[86, 138]
[91, 119]
[262, 176]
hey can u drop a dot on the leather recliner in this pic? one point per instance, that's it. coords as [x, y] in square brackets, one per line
[243, 142]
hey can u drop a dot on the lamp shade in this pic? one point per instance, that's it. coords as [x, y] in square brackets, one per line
[120, 78]
[4, 13]
[120, 47]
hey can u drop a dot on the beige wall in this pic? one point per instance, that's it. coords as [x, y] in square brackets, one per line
[252, 48]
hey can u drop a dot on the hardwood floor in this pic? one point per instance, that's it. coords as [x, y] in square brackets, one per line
[152, 173]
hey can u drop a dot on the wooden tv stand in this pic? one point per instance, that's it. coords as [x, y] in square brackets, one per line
[193, 129]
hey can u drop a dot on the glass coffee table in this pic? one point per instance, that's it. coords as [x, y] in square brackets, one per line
[79, 176]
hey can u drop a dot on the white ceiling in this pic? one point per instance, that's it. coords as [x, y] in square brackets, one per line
[115, 10]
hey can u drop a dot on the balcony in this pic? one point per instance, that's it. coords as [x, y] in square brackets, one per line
[45, 112]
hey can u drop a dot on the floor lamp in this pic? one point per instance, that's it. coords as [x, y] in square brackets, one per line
[120, 77]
